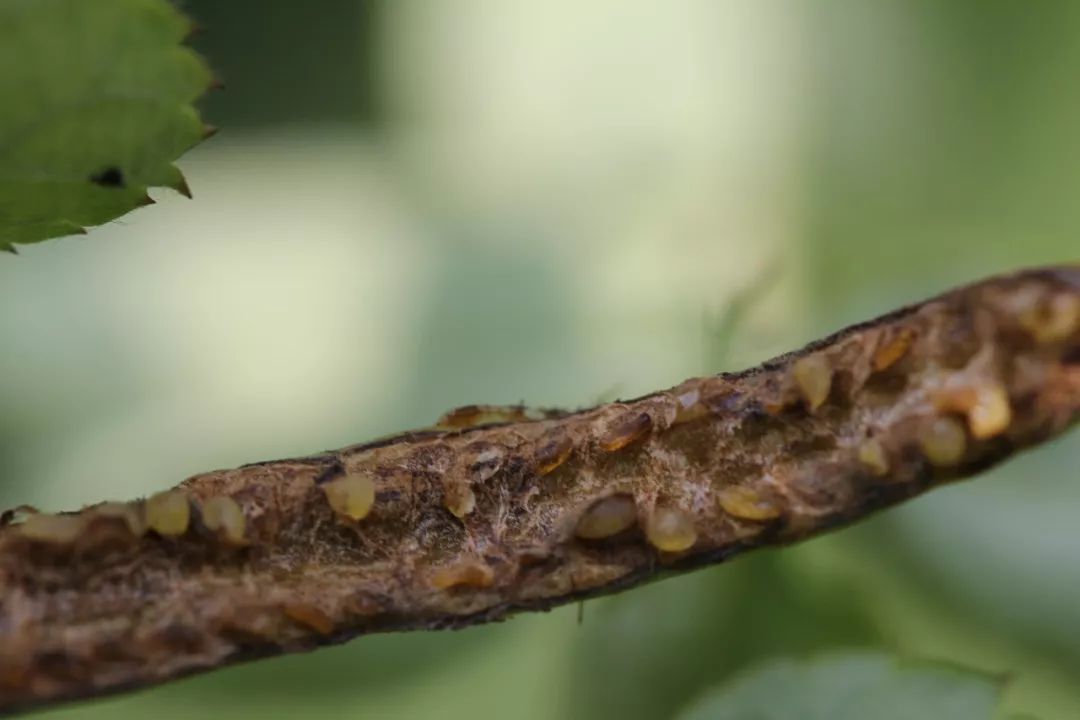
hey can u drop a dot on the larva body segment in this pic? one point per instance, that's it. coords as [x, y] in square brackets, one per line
[564, 505]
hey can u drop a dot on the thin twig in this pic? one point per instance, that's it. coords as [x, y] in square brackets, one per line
[499, 510]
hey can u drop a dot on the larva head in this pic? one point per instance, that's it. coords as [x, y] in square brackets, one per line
[350, 496]
[606, 517]
[168, 513]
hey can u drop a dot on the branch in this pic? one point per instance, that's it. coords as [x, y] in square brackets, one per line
[499, 510]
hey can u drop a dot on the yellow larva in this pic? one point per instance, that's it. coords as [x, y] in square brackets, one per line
[626, 431]
[990, 414]
[168, 513]
[891, 351]
[552, 455]
[467, 573]
[606, 517]
[671, 530]
[747, 504]
[986, 405]
[873, 458]
[224, 516]
[943, 441]
[351, 496]
[459, 499]
[1053, 320]
[813, 377]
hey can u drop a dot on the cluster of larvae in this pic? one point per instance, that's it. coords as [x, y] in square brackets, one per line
[169, 514]
[975, 406]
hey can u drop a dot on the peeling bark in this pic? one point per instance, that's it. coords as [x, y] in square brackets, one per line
[500, 510]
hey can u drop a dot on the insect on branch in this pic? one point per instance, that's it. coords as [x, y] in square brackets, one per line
[498, 510]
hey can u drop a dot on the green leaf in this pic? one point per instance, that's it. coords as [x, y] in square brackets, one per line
[858, 686]
[97, 103]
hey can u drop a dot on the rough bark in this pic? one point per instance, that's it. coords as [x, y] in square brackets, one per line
[500, 510]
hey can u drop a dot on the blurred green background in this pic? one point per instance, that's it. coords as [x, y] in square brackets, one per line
[415, 205]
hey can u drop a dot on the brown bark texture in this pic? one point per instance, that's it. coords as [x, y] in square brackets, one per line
[497, 510]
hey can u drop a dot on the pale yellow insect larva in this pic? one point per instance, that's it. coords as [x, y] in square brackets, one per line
[670, 529]
[1052, 320]
[606, 517]
[873, 457]
[813, 377]
[46, 527]
[893, 349]
[223, 515]
[351, 496]
[459, 499]
[552, 455]
[991, 413]
[746, 503]
[986, 406]
[468, 573]
[943, 441]
[168, 513]
[626, 431]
